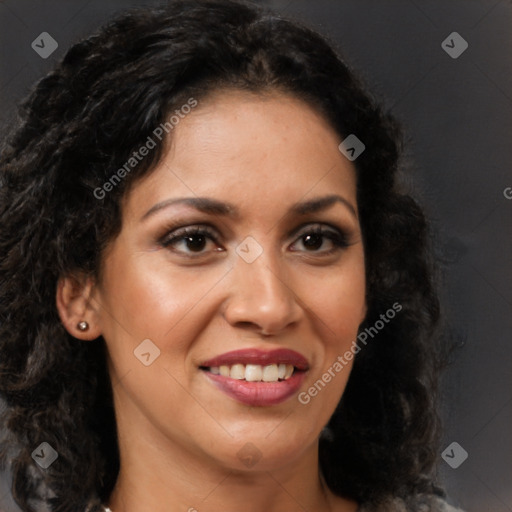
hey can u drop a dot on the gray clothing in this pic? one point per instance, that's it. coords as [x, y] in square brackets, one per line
[419, 503]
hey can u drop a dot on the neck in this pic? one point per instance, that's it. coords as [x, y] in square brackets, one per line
[167, 477]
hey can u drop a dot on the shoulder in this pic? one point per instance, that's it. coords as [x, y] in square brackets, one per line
[429, 503]
[417, 503]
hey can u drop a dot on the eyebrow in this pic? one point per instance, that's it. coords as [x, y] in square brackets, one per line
[215, 207]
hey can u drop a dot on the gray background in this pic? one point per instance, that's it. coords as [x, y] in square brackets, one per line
[458, 114]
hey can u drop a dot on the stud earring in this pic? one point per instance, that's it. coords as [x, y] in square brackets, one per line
[82, 326]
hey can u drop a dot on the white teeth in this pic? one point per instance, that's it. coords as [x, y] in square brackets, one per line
[270, 373]
[237, 372]
[255, 372]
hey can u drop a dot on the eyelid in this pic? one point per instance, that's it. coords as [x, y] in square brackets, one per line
[211, 230]
[180, 231]
[326, 226]
[339, 237]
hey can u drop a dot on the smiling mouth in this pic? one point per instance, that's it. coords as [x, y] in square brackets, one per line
[255, 377]
[254, 372]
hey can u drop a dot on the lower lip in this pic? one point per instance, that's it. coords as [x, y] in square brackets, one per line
[259, 394]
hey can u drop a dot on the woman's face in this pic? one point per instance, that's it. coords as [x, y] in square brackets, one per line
[255, 262]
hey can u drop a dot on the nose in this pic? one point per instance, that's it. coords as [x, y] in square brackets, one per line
[261, 298]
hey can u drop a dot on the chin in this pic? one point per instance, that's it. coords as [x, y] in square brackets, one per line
[264, 450]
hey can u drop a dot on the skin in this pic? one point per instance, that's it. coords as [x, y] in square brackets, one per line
[178, 434]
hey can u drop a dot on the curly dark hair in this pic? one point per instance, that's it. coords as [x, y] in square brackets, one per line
[83, 121]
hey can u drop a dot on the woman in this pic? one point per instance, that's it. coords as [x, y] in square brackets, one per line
[215, 294]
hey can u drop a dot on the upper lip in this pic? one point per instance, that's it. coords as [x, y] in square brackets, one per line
[260, 357]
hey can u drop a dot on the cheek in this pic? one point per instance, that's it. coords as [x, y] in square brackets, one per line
[339, 307]
[345, 308]
[150, 308]
[149, 298]
[338, 302]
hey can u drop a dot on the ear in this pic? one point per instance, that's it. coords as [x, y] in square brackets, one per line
[75, 304]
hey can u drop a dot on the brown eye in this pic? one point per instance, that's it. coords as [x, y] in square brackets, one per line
[313, 241]
[190, 239]
[315, 238]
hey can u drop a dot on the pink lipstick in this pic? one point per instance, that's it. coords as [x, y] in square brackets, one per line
[257, 377]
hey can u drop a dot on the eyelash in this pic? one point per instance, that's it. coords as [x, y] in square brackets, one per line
[338, 239]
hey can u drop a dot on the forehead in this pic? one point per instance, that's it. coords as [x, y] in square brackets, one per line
[249, 148]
